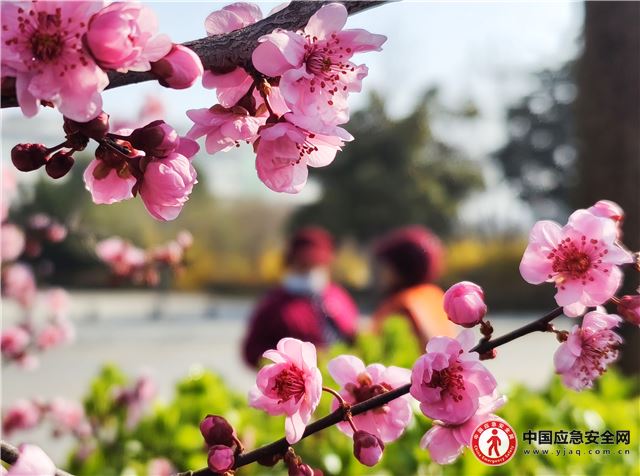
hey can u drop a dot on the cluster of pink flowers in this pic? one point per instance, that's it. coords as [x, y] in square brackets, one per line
[129, 262]
[291, 113]
[59, 53]
[21, 341]
[65, 416]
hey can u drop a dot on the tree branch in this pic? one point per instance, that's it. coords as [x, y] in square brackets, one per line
[9, 454]
[224, 52]
[280, 446]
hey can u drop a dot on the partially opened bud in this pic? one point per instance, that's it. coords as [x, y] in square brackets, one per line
[28, 157]
[179, 69]
[156, 139]
[464, 304]
[60, 164]
[629, 309]
[220, 459]
[302, 470]
[367, 448]
[216, 431]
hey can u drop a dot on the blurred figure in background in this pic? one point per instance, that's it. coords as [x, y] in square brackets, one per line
[408, 260]
[306, 305]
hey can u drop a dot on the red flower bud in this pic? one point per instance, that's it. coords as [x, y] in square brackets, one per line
[367, 448]
[28, 157]
[156, 139]
[217, 431]
[59, 164]
[629, 309]
[221, 458]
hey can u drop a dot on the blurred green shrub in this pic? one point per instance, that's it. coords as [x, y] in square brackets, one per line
[171, 429]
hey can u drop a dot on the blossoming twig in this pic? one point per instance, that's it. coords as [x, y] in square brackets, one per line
[223, 52]
[280, 446]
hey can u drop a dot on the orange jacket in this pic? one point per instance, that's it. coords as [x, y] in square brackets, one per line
[423, 306]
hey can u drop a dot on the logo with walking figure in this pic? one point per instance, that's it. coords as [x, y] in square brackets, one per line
[494, 442]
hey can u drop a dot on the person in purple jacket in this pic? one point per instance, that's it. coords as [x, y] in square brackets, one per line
[306, 305]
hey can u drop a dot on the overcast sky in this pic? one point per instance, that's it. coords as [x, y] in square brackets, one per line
[479, 51]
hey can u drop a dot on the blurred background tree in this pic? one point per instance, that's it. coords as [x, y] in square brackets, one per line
[394, 173]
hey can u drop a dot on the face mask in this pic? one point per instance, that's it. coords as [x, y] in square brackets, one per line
[306, 283]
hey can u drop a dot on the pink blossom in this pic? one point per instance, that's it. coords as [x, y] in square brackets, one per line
[446, 442]
[111, 188]
[167, 185]
[448, 380]
[224, 127]
[157, 139]
[42, 47]
[367, 448]
[284, 151]
[11, 242]
[291, 386]
[629, 309]
[123, 36]
[160, 467]
[581, 258]
[588, 350]
[360, 383]
[121, 256]
[50, 336]
[67, 416]
[19, 284]
[464, 304]
[22, 415]
[220, 459]
[185, 239]
[56, 232]
[179, 69]
[14, 341]
[234, 84]
[315, 67]
[32, 461]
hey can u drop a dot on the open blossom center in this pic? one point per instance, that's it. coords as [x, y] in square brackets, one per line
[574, 260]
[449, 380]
[597, 351]
[46, 36]
[289, 384]
[326, 61]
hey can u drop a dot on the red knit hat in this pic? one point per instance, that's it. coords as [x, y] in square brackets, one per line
[309, 247]
[414, 252]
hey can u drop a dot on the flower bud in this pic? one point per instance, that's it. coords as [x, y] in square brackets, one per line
[367, 448]
[302, 469]
[156, 139]
[220, 459]
[59, 164]
[216, 431]
[629, 309]
[179, 69]
[28, 157]
[464, 304]
[96, 128]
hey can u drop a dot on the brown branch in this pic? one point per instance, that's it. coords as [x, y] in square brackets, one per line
[225, 52]
[10, 454]
[280, 446]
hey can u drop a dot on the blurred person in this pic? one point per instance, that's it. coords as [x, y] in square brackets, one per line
[306, 305]
[408, 261]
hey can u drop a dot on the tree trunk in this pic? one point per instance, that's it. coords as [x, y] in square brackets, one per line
[608, 118]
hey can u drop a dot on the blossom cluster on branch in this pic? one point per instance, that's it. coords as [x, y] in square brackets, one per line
[20, 248]
[133, 264]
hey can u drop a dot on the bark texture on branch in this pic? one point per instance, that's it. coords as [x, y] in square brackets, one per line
[224, 52]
